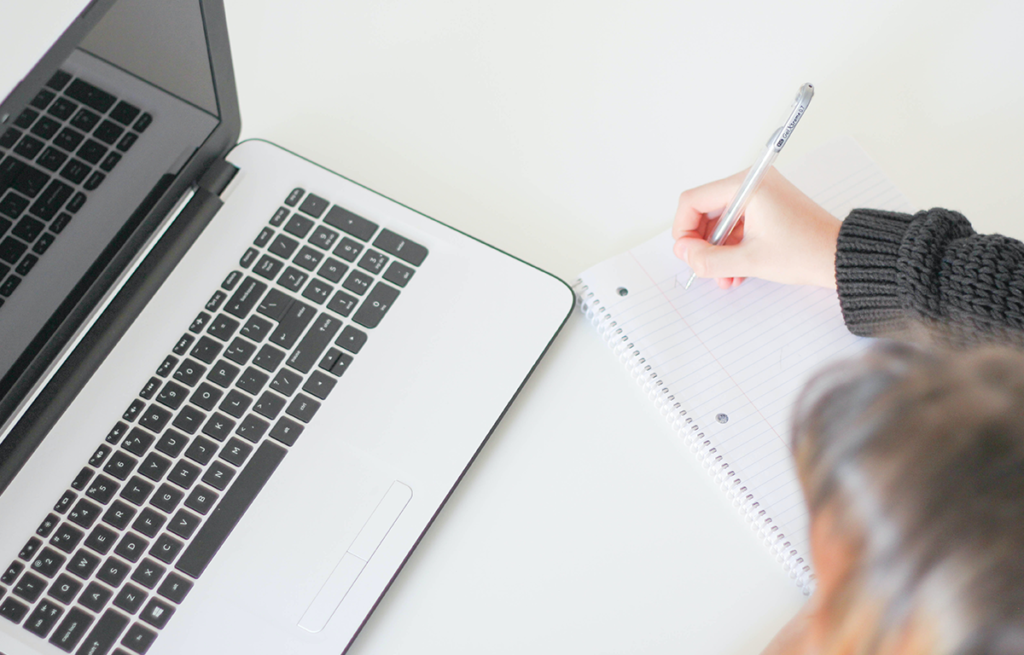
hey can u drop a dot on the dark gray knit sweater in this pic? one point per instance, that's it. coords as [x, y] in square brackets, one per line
[931, 275]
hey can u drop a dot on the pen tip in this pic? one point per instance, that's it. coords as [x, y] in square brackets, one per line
[690, 281]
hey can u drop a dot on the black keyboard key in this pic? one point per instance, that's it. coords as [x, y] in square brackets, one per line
[269, 405]
[222, 374]
[275, 304]
[174, 587]
[398, 274]
[29, 147]
[201, 500]
[48, 562]
[235, 403]
[157, 614]
[323, 238]
[43, 99]
[286, 382]
[245, 297]
[373, 261]
[268, 358]
[131, 547]
[108, 132]
[43, 244]
[184, 524]
[51, 159]
[84, 513]
[154, 466]
[218, 427]
[319, 385]
[119, 515]
[189, 419]
[69, 139]
[357, 282]
[308, 258]
[257, 328]
[12, 572]
[181, 348]
[60, 223]
[294, 197]
[138, 442]
[120, 465]
[12, 610]
[172, 395]
[10, 168]
[45, 128]
[130, 599]
[76, 202]
[351, 223]
[124, 113]
[292, 324]
[303, 408]
[293, 278]
[201, 451]
[92, 152]
[348, 249]
[297, 225]
[139, 638]
[101, 453]
[184, 474]
[82, 479]
[9, 285]
[136, 490]
[167, 497]
[286, 431]
[155, 418]
[64, 588]
[226, 515]
[102, 489]
[110, 161]
[48, 524]
[342, 303]
[26, 118]
[206, 350]
[51, 200]
[90, 96]
[85, 120]
[351, 339]
[10, 137]
[268, 267]
[341, 364]
[318, 291]
[252, 428]
[59, 80]
[167, 366]
[12, 205]
[101, 539]
[148, 573]
[166, 548]
[94, 181]
[75, 171]
[11, 250]
[397, 245]
[83, 564]
[223, 327]
[143, 122]
[66, 537]
[148, 391]
[215, 301]
[312, 346]
[206, 396]
[235, 451]
[190, 372]
[104, 635]
[95, 597]
[332, 270]
[218, 475]
[279, 217]
[172, 443]
[376, 305]
[30, 181]
[71, 629]
[149, 522]
[27, 262]
[29, 587]
[43, 618]
[313, 205]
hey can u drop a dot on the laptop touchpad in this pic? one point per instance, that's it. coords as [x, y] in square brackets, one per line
[333, 592]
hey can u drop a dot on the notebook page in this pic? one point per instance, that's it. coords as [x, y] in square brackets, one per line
[735, 360]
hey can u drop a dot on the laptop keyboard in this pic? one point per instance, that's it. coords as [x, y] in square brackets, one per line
[61, 146]
[125, 543]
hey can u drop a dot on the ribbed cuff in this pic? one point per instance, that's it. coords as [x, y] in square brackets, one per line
[866, 266]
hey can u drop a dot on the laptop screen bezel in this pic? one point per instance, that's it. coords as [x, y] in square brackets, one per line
[38, 361]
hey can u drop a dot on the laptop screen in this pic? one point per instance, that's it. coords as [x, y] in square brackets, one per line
[82, 165]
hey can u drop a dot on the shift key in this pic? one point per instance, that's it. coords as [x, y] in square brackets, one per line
[292, 324]
[314, 343]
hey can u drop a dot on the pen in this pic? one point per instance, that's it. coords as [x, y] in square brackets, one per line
[757, 172]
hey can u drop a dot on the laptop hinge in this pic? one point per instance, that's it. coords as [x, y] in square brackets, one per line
[218, 176]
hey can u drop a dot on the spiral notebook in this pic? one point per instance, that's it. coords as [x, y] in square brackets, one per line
[725, 367]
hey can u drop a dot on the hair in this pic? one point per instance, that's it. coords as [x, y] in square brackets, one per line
[917, 456]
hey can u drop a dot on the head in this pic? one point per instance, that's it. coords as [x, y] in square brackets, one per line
[912, 462]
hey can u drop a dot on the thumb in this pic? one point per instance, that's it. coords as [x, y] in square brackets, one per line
[707, 260]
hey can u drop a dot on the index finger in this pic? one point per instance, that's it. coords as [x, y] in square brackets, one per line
[698, 202]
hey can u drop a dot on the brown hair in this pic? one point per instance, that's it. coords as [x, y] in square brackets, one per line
[918, 457]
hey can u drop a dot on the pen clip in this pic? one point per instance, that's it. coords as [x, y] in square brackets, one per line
[781, 135]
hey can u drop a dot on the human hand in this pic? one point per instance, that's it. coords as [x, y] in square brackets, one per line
[784, 236]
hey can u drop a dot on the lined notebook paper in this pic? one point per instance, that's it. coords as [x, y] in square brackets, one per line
[725, 367]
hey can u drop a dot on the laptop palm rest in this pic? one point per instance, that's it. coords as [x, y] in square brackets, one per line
[334, 590]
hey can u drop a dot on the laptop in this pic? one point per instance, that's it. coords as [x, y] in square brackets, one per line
[235, 387]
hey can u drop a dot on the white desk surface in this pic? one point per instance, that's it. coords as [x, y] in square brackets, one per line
[562, 132]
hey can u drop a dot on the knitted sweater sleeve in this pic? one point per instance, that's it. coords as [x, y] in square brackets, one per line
[929, 274]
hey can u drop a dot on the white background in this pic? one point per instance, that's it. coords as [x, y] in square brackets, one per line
[563, 132]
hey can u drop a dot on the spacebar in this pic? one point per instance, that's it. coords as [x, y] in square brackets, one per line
[230, 509]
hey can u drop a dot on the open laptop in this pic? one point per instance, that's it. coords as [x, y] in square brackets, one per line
[235, 387]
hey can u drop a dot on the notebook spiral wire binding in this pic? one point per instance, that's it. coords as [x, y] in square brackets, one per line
[703, 448]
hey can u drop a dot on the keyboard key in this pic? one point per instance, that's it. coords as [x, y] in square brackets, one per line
[172, 395]
[279, 217]
[172, 443]
[83, 564]
[218, 475]
[342, 303]
[351, 339]
[240, 351]
[184, 474]
[298, 225]
[292, 324]
[12, 205]
[303, 408]
[245, 297]
[318, 291]
[257, 328]
[43, 99]
[167, 366]
[222, 374]
[43, 244]
[292, 279]
[138, 442]
[69, 139]
[119, 515]
[130, 599]
[319, 385]
[48, 524]
[108, 132]
[268, 358]
[373, 261]
[341, 364]
[275, 304]
[157, 613]
[323, 238]
[206, 350]
[143, 122]
[104, 635]
[235, 502]
[10, 137]
[120, 465]
[136, 490]
[167, 548]
[29, 587]
[75, 171]
[12, 610]
[12, 572]
[223, 327]
[308, 258]
[252, 428]
[235, 451]
[94, 181]
[377, 304]
[9, 285]
[26, 118]
[206, 396]
[200, 322]
[149, 522]
[397, 245]
[71, 629]
[64, 588]
[124, 113]
[51, 200]
[286, 431]
[215, 301]
[11, 250]
[101, 539]
[167, 497]
[351, 223]
[95, 597]
[357, 282]
[43, 618]
[155, 418]
[201, 499]
[294, 197]
[85, 120]
[269, 405]
[235, 403]
[190, 372]
[101, 453]
[102, 489]
[138, 638]
[28, 147]
[90, 96]
[286, 382]
[154, 466]
[268, 267]
[45, 128]
[309, 350]
[51, 159]
[30, 181]
[398, 274]
[201, 451]
[189, 419]
[313, 205]
[183, 524]
[76, 203]
[131, 547]
[92, 152]
[48, 562]
[152, 386]
[84, 513]
[348, 249]
[218, 427]
[82, 479]
[332, 270]
[110, 161]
